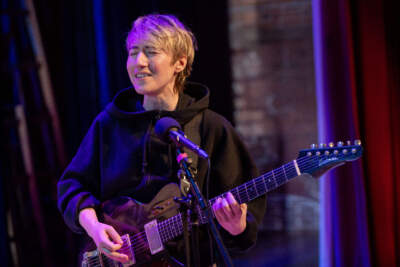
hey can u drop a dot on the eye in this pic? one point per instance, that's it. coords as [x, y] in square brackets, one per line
[133, 53]
[152, 52]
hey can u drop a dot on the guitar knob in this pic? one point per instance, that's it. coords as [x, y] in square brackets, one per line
[318, 153]
[313, 146]
[357, 142]
[335, 152]
[345, 151]
[327, 153]
[348, 142]
[309, 154]
[340, 143]
[331, 144]
[322, 145]
[354, 151]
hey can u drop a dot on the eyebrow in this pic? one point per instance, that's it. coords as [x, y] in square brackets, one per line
[146, 47]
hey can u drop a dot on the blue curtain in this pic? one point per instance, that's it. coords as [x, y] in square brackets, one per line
[343, 216]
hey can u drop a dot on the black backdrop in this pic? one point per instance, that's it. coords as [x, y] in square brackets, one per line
[70, 32]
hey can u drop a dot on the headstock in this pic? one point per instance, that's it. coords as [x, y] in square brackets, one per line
[325, 157]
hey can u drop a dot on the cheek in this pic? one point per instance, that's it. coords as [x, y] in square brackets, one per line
[129, 64]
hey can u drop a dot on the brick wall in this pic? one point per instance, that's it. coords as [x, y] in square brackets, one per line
[274, 98]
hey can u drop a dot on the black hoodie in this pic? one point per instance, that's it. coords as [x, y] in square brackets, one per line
[120, 155]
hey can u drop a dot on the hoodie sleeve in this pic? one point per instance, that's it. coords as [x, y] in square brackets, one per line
[78, 185]
[231, 166]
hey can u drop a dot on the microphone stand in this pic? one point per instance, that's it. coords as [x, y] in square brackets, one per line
[183, 162]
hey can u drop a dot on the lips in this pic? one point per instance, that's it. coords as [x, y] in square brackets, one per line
[141, 75]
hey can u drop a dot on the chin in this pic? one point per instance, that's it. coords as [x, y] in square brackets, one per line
[144, 90]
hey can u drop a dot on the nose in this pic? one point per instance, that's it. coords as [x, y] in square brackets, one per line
[141, 59]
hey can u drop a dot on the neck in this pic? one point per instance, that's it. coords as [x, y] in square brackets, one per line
[161, 102]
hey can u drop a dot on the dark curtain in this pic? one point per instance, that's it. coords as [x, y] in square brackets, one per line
[84, 42]
[87, 42]
[357, 76]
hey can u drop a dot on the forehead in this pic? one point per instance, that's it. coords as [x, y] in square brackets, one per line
[145, 40]
[141, 42]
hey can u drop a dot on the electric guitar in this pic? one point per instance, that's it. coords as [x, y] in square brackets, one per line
[148, 227]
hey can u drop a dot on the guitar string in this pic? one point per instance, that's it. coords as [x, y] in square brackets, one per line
[275, 175]
[255, 181]
[143, 246]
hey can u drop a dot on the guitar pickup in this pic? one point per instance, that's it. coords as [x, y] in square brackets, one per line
[153, 237]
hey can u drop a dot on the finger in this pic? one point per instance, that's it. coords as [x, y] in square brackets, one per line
[218, 211]
[115, 255]
[114, 235]
[215, 204]
[226, 209]
[234, 205]
[106, 242]
[243, 207]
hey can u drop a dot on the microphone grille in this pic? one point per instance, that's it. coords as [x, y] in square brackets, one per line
[164, 125]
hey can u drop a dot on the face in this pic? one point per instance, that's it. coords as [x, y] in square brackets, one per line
[150, 69]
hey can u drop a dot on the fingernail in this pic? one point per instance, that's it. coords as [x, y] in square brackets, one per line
[106, 250]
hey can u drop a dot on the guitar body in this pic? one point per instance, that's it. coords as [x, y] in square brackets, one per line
[129, 216]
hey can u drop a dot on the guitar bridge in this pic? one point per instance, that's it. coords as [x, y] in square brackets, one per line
[153, 237]
[127, 244]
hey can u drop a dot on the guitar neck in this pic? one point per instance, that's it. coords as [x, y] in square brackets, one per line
[244, 193]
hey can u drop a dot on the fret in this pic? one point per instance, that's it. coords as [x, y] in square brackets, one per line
[251, 192]
[270, 182]
[279, 179]
[261, 190]
[247, 193]
[274, 178]
[237, 196]
[265, 185]
[293, 170]
[255, 186]
[284, 173]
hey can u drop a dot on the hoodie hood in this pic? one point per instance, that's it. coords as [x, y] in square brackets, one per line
[127, 104]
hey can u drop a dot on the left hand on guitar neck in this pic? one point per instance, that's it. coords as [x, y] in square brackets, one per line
[230, 214]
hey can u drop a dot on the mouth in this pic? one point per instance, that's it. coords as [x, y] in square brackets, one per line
[142, 75]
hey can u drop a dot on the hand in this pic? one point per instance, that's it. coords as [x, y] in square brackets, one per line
[104, 236]
[230, 215]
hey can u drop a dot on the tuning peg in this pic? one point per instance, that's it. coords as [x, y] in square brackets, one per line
[357, 142]
[331, 144]
[313, 146]
[322, 145]
[340, 143]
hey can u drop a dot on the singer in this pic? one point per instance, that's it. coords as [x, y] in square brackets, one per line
[121, 156]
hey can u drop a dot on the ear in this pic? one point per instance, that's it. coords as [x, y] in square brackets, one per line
[180, 64]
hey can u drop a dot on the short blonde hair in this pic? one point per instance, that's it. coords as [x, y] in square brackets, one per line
[169, 34]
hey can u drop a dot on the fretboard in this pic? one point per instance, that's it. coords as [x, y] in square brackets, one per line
[244, 193]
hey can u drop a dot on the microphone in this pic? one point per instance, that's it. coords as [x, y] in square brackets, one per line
[168, 128]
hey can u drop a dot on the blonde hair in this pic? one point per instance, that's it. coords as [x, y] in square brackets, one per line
[169, 34]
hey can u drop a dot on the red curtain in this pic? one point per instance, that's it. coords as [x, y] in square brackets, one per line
[376, 26]
[357, 59]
